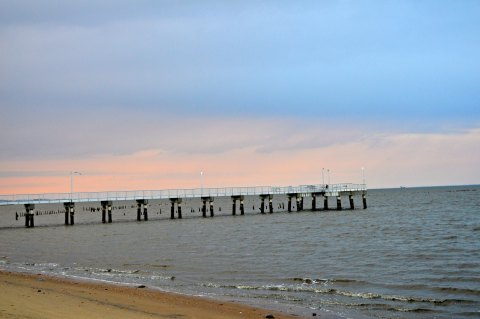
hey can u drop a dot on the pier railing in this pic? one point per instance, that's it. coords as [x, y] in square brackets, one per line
[327, 190]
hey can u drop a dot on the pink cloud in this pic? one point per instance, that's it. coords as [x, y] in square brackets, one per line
[389, 161]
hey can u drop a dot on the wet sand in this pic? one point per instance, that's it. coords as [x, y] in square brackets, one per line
[40, 296]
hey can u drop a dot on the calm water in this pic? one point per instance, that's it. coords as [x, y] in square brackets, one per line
[414, 253]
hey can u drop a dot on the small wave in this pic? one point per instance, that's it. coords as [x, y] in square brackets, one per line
[350, 294]
[322, 281]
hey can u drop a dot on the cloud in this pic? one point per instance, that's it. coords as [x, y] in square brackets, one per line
[296, 59]
[389, 160]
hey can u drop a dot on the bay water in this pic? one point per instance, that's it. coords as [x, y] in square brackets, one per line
[413, 253]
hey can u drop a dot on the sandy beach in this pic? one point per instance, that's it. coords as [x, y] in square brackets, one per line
[40, 296]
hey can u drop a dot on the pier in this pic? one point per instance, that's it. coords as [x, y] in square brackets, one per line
[206, 198]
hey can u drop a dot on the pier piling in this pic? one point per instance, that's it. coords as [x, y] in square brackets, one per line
[104, 214]
[29, 222]
[145, 210]
[352, 205]
[339, 203]
[314, 202]
[204, 208]
[364, 198]
[177, 201]
[211, 208]
[69, 213]
[325, 202]
[140, 203]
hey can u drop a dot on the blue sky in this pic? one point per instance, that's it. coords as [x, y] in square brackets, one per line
[370, 68]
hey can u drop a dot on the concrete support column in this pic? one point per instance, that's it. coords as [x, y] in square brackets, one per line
[141, 203]
[339, 203]
[242, 210]
[211, 208]
[364, 198]
[352, 205]
[72, 214]
[67, 214]
[139, 211]
[204, 208]
[29, 219]
[104, 214]
[325, 202]
[145, 211]
[106, 206]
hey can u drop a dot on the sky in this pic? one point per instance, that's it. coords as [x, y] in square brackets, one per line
[148, 94]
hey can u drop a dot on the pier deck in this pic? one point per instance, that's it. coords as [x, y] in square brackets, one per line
[307, 190]
[177, 196]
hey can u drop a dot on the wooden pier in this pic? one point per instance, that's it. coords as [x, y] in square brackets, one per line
[206, 197]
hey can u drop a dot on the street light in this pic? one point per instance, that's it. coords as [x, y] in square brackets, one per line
[71, 183]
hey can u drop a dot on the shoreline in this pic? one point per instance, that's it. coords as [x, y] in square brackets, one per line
[42, 296]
